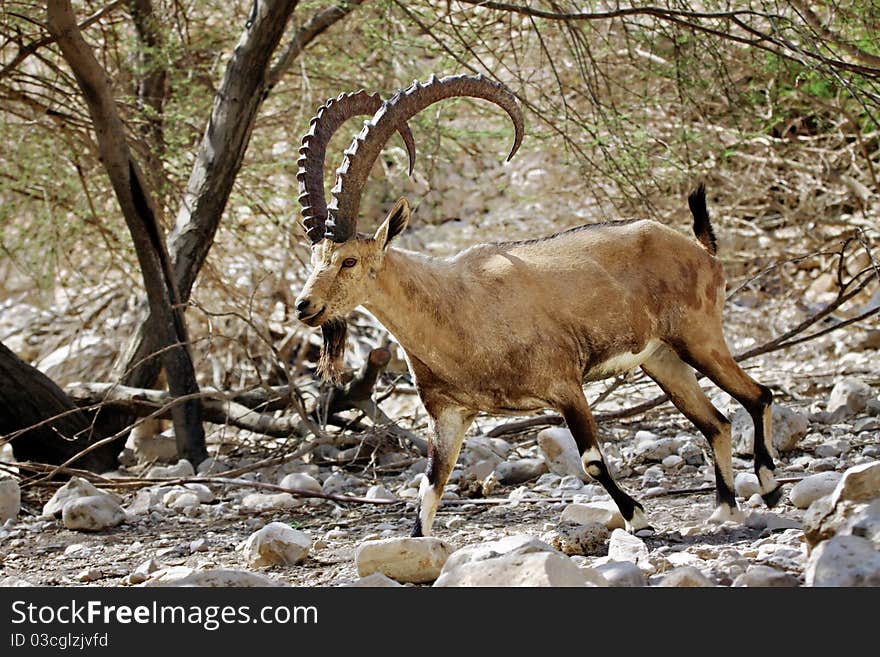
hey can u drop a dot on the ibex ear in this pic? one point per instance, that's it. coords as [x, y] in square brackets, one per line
[394, 223]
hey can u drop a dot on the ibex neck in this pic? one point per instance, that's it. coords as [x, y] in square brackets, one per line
[413, 297]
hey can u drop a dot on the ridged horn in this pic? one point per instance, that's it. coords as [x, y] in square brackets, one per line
[352, 175]
[323, 125]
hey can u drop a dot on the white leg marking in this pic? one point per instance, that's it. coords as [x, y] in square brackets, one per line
[767, 480]
[428, 503]
[592, 454]
[638, 522]
[723, 513]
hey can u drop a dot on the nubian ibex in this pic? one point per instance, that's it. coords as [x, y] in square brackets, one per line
[517, 327]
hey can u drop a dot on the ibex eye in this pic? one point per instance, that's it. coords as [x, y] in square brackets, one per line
[349, 262]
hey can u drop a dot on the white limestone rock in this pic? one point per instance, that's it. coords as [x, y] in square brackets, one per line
[11, 581]
[604, 512]
[654, 448]
[76, 487]
[822, 521]
[844, 561]
[746, 484]
[789, 427]
[186, 502]
[143, 571]
[766, 577]
[531, 569]
[277, 543]
[621, 574]
[414, 560]
[214, 577]
[339, 482]
[179, 470]
[511, 473]
[577, 539]
[811, 488]
[376, 580]
[560, 452]
[516, 544]
[849, 396]
[623, 546]
[771, 521]
[685, 576]
[205, 494]
[92, 513]
[858, 484]
[10, 499]
[264, 502]
[301, 481]
[691, 452]
[379, 492]
[147, 500]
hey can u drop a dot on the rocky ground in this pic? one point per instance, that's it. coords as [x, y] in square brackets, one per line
[556, 529]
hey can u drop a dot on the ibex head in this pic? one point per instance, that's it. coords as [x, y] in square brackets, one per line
[342, 271]
[344, 264]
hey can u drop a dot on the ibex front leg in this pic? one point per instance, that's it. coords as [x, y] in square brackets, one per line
[580, 422]
[448, 426]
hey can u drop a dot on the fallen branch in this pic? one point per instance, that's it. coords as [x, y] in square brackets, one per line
[217, 407]
[237, 409]
[358, 395]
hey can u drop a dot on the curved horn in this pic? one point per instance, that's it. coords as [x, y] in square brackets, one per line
[310, 175]
[352, 175]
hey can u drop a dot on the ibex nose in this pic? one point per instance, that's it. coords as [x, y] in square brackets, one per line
[302, 305]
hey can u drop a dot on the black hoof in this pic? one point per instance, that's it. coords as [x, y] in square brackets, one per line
[417, 529]
[772, 498]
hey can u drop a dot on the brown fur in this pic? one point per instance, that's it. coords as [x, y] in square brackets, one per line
[513, 328]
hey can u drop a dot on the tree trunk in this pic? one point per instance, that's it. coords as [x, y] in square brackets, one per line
[139, 210]
[28, 398]
[246, 83]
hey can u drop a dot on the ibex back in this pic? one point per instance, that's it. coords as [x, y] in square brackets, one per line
[516, 327]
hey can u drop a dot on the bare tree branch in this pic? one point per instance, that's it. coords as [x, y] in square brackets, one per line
[241, 93]
[27, 50]
[139, 211]
[314, 27]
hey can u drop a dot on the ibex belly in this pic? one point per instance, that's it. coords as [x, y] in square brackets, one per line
[622, 362]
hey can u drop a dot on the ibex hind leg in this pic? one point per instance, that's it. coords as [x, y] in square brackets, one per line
[711, 356]
[676, 378]
[580, 422]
